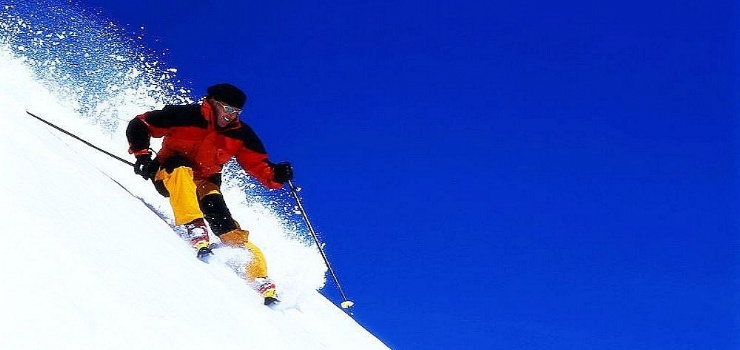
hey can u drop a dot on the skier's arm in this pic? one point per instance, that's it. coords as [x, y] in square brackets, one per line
[258, 165]
[147, 125]
[252, 157]
[138, 136]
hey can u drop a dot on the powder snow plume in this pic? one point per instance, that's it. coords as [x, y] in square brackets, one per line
[95, 66]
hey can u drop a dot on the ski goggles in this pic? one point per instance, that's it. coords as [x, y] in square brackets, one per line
[229, 109]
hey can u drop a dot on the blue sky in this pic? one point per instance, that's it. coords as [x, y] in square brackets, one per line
[517, 175]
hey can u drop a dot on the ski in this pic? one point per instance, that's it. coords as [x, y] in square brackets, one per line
[204, 254]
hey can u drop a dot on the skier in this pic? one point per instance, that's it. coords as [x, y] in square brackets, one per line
[198, 140]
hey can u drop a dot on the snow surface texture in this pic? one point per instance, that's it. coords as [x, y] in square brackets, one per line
[87, 265]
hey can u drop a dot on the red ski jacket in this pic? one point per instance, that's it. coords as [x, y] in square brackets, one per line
[191, 131]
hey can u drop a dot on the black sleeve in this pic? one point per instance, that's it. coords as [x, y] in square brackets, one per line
[155, 123]
[173, 115]
[138, 135]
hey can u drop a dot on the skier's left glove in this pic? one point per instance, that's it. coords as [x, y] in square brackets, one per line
[282, 172]
[145, 166]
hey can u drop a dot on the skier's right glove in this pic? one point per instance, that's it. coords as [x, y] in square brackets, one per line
[282, 172]
[145, 166]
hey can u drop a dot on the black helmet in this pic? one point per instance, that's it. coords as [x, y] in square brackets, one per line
[228, 94]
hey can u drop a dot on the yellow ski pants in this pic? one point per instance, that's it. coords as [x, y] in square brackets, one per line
[184, 199]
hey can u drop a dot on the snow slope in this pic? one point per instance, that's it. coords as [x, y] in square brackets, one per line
[86, 265]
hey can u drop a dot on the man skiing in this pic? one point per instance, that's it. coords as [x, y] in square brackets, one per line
[197, 141]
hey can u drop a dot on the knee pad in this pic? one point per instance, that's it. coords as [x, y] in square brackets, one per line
[235, 238]
[217, 213]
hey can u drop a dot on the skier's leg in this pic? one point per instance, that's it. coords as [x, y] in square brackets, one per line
[181, 189]
[258, 266]
[227, 229]
[256, 270]
[183, 199]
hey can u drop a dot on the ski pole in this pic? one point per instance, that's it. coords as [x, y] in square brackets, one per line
[79, 139]
[346, 303]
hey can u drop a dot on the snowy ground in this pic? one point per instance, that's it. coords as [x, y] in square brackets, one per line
[86, 265]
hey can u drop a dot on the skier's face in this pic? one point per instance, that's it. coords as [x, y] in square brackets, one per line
[225, 114]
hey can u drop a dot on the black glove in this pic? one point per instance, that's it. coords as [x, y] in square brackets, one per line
[145, 166]
[282, 172]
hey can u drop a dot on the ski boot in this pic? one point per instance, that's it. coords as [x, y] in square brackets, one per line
[197, 233]
[266, 288]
